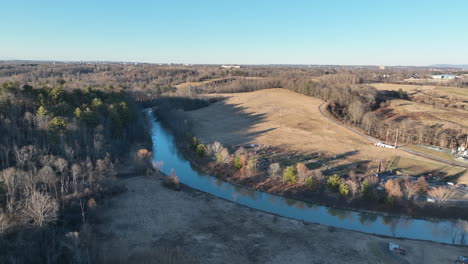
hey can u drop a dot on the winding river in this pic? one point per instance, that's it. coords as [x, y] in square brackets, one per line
[165, 150]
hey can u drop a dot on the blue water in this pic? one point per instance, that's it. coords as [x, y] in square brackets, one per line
[165, 150]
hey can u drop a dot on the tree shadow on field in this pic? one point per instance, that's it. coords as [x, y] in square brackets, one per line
[230, 124]
[345, 168]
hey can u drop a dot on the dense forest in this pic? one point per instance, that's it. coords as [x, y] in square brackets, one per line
[59, 149]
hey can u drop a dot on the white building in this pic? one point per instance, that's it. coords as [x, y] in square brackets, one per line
[444, 77]
[231, 66]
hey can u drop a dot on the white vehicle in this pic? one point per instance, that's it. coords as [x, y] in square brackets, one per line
[383, 145]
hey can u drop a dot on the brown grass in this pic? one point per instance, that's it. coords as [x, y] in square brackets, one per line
[285, 119]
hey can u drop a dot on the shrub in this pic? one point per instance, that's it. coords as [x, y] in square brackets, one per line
[310, 182]
[238, 162]
[58, 125]
[201, 149]
[41, 111]
[367, 191]
[344, 189]
[290, 175]
[334, 182]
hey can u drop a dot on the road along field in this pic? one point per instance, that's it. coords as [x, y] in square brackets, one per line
[159, 225]
[279, 117]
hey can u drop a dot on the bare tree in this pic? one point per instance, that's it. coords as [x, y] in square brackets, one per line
[214, 149]
[274, 171]
[11, 181]
[39, 208]
[223, 156]
[422, 185]
[411, 189]
[372, 180]
[353, 187]
[393, 189]
[441, 195]
[76, 173]
[318, 176]
[4, 221]
[48, 178]
[302, 172]
[158, 165]
[25, 155]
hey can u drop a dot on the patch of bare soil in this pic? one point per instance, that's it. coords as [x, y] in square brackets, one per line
[156, 223]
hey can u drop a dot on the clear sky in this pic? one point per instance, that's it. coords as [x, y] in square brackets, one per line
[359, 32]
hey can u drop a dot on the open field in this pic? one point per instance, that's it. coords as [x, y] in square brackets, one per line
[193, 227]
[462, 93]
[428, 114]
[419, 167]
[431, 152]
[279, 117]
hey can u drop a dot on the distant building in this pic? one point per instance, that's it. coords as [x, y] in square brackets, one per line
[231, 66]
[444, 76]
[382, 67]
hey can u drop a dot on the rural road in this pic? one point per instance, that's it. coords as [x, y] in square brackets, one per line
[374, 140]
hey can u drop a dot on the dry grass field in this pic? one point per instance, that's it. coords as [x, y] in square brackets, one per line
[455, 118]
[411, 88]
[418, 167]
[279, 117]
[159, 224]
[428, 114]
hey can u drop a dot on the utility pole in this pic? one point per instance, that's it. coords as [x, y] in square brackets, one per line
[396, 139]
[386, 139]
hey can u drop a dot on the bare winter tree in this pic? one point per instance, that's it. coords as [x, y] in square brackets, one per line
[274, 171]
[214, 149]
[441, 195]
[11, 181]
[411, 189]
[353, 187]
[25, 155]
[76, 172]
[393, 189]
[39, 208]
[302, 172]
[46, 176]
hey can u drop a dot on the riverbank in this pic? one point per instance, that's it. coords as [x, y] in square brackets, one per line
[261, 182]
[189, 226]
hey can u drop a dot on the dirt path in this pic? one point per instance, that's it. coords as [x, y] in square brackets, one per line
[203, 229]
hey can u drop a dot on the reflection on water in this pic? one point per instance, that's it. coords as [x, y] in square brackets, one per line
[164, 149]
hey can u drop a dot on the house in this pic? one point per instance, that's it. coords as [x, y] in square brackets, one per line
[444, 76]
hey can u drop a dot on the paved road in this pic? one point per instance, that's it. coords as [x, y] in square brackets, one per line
[374, 140]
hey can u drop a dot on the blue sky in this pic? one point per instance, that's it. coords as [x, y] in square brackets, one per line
[356, 32]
